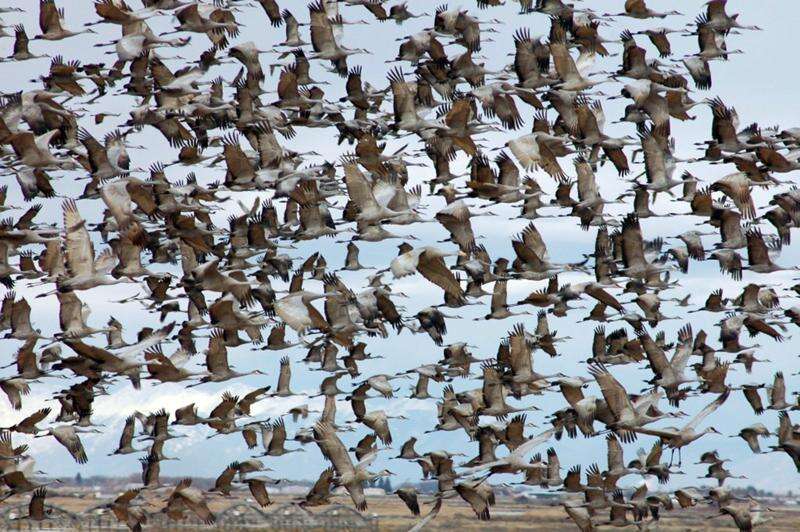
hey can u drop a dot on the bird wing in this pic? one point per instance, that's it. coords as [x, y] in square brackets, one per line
[278, 435]
[36, 417]
[258, 488]
[322, 37]
[402, 97]
[613, 392]
[358, 188]
[91, 352]
[563, 62]
[193, 499]
[72, 442]
[356, 491]
[127, 432]
[333, 448]
[409, 497]
[49, 19]
[777, 394]
[80, 251]
[614, 453]
[632, 242]
[757, 252]
[548, 160]
[20, 40]
[533, 442]
[707, 410]
[604, 297]
[155, 338]
[285, 375]
[573, 394]
[36, 506]
[655, 355]
[272, 10]
[499, 296]
[217, 353]
[433, 268]
[754, 398]
[661, 433]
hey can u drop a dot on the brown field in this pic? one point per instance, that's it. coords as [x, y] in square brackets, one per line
[507, 514]
[510, 515]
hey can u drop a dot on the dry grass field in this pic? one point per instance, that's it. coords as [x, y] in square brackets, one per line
[507, 514]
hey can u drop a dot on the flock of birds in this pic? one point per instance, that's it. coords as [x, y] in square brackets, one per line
[262, 279]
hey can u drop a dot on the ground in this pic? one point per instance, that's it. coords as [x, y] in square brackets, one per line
[506, 514]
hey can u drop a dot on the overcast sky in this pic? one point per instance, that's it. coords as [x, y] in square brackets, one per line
[761, 84]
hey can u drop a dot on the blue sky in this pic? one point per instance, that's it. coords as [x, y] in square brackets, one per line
[761, 84]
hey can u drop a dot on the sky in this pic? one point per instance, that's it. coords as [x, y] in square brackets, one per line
[760, 83]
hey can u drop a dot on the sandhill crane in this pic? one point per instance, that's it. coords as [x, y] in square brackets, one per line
[407, 451]
[649, 463]
[429, 262]
[217, 363]
[638, 9]
[324, 40]
[223, 482]
[258, 489]
[185, 497]
[679, 438]
[406, 116]
[720, 20]
[284, 378]
[36, 506]
[209, 277]
[777, 393]
[628, 414]
[125, 361]
[67, 435]
[17, 483]
[297, 311]
[125, 512]
[126, 439]
[72, 315]
[216, 22]
[580, 515]
[87, 271]
[33, 150]
[293, 37]
[363, 195]
[28, 425]
[616, 465]
[273, 436]
[335, 451]
[378, 421]
[187, 415]
[51, 20]
[14, 389]
[745, 517]
[27, 361]
[382, 384]
[409, 498]
[669, 374]
[711, 42]
[21, 51]
[717, 471]
[517, 460]
[320, 492]
[478, 495]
